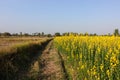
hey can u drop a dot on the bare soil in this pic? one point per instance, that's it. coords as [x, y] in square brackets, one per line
[51, 68]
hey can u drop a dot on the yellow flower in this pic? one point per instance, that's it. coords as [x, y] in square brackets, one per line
[87, 52]
[108, 73]
[101, 67]
[80, 55]
[83, 66]
[94, 72]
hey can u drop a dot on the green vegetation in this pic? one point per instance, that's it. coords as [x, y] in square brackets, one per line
[116, 32]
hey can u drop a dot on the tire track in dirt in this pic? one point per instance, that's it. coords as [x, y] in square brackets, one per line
[50, 64]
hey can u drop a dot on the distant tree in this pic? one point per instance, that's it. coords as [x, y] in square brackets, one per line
[42, 33]
[76, 34]
[73, 34]
[0, 34]
[86, 34]
[81, 34]
[6, 34]
[39, 34]
[95, 34]
[26, 34]
[116, 32]
[34, 34]
[49, 35]
[15, 34]
[21, 34]
[57, 34]
[65, 34]
[90, 34]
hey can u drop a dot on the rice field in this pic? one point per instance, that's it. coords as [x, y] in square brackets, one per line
[17, 54]
[10, 45]
[90, 57]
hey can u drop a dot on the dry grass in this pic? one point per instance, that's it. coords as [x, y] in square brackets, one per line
[9, 45]
[16, 55]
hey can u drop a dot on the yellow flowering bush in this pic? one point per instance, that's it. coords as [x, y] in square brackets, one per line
[91, 57]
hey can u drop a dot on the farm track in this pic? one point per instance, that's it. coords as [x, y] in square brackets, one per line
[48, 66]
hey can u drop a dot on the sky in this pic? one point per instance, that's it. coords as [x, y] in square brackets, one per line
[50, 16]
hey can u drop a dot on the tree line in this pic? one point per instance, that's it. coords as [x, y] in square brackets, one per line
[7, 34]
[42, 34]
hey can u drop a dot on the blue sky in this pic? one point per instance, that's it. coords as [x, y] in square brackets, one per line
[50, 16]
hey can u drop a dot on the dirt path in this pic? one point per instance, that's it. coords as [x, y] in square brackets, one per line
[48, 66]
[51, 64]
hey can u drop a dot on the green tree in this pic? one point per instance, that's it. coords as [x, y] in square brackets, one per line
[6, 34]
[49, 35]
[86, 34]
[15, 34]
[57, 34]
[42, 33]
[65, 34]
[95, 34]
[116, 32]
[26, 34]
[39, 34]
[81, 34]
